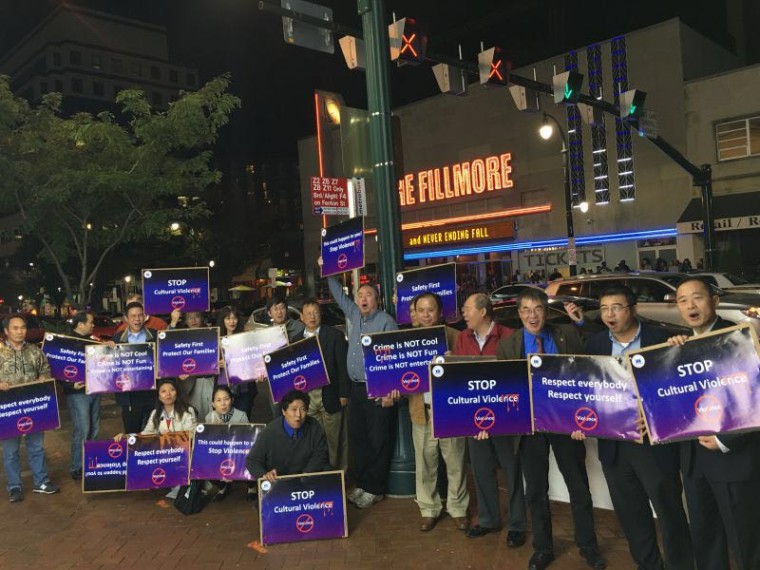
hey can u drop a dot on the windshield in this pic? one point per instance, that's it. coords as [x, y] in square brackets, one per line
[735, 279]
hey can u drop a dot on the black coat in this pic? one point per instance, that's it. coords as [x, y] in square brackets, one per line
[334, 350]
[136, 398]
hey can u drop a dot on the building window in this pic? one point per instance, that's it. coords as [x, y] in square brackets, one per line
[43, 87]
[75, 57]
[76, 85]
[136, 70]
[157, 98]
[117, 65]
[155, 72]
[57, 58]
[191, 79]
[98, 89]
[738, 139]
[58, 86]
[173, 76]
[97, 62]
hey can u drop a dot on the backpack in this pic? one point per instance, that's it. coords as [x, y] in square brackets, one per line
[189, 499]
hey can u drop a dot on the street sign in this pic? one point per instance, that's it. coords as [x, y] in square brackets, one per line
[307, 35]
[360, 196]
[329, 196]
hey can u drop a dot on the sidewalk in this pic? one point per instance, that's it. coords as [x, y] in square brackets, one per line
[143, 530]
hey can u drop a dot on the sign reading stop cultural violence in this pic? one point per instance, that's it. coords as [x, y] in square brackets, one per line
[219, 451]
[244, 353]
[398, 360]
[470, 397]
[299, 366]
[343, 247]
[28, 408]
[709, 385]
[593, 394]
[120, 368]
[295, 508]
[104, 466]
[155, 461]
[66, 356]
[184, 288]
[438, 279]
[191, 352]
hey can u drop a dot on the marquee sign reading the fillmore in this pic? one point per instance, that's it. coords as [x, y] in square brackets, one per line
[455, 181]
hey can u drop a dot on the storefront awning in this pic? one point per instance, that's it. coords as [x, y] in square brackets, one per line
[730, 212]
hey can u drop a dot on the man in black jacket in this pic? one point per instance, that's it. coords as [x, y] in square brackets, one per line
[327, 403]
[637, 474]
[721, 472]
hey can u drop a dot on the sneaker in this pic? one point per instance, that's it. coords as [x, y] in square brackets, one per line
[173, 493]
[354, 495]
[46, 488]
[16, 495]
[367, 500]
[223, 493]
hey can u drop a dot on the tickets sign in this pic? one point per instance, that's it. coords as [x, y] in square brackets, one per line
[219, 451]
[299, 366]
[104, 466]
[343, 247]
[438, 279]
[155, 461]
[184, 288]
[470, 397]
[66, 356]
[190, 352]
[709, 385]
[28, 408]
[244, 353]
[120, 368]
[296, 508]
[398, 360]
[593, 394]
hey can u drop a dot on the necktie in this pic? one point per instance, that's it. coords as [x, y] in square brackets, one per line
[539, 345]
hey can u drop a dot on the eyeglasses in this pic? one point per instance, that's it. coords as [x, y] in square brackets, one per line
[612, 309]
[526, 312]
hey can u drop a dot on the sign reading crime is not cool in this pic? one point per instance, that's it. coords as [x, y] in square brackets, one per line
[185, 288]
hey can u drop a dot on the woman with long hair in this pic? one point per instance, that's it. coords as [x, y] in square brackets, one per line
[230, 322]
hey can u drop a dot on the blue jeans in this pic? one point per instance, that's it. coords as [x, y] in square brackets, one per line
[35, 453]
[85, 419]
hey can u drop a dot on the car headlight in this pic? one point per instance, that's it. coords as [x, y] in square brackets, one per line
[752, 312]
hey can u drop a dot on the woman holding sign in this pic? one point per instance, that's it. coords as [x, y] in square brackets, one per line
[229, 322]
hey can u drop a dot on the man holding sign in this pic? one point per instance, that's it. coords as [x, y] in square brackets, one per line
[22, 363]
[637, 474]
[721, 473]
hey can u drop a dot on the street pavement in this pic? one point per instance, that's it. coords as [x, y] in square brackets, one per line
[143, 530]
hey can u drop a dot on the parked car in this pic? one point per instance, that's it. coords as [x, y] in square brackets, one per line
[105, 328]
[730, 283]
[510, 291]
[655, 294]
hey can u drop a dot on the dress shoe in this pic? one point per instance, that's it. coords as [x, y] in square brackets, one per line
[461, 523]
[540, 560]
[477, 531]
[594, 559]
[515, 538]
[76, 474]
[427, 524]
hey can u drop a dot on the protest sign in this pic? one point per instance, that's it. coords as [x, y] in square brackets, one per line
[398, 360]
[66, 356]
[219, 451]
[183, 288]
[120, 368]
[28, 408]
[470, 397]
[438, 279]
[155, 461]
[299, 366]
[709, 385]
[593, 394]
[191, 352]
[104, 466]
[244, 353]
[295, 508]
[343, 247]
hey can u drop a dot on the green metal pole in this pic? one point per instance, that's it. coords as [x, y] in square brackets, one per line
[401, 480]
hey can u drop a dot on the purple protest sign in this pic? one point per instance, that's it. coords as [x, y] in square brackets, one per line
[438, 279]
[155, 461]
[219, 451]
[244, 353]
[120, 368]
[296, 508]
[184, 288]
[191, 352]
[398, 360]
[709, 385]
[299, 366]
[104, 466]
[28, 408]
[593, 394]
[66, 356]
[470, 397]
[343, 247]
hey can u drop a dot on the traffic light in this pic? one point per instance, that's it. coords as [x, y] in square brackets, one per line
[408, 42]
[632, 106]
[567, 87]
[493, 67]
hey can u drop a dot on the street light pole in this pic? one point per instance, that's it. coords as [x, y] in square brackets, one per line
[571, 253]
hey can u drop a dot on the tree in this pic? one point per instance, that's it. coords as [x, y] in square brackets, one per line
[87, 183]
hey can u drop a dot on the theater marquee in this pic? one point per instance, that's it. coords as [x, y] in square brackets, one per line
[458, 234]
[456, 181]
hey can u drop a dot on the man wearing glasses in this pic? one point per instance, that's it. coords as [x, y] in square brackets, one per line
[539, 337]
[637, 474]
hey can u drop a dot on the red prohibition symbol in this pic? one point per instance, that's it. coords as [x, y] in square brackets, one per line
[70, 371]
[299, 382]
[708, 408]
[25, 424]
[485, 418]
[227, 467]
[115, 450]
[586, 419]
[158, 476]
[178, 302]
[342, 260]
[410, 381]
[304, 523]
[188, 365]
